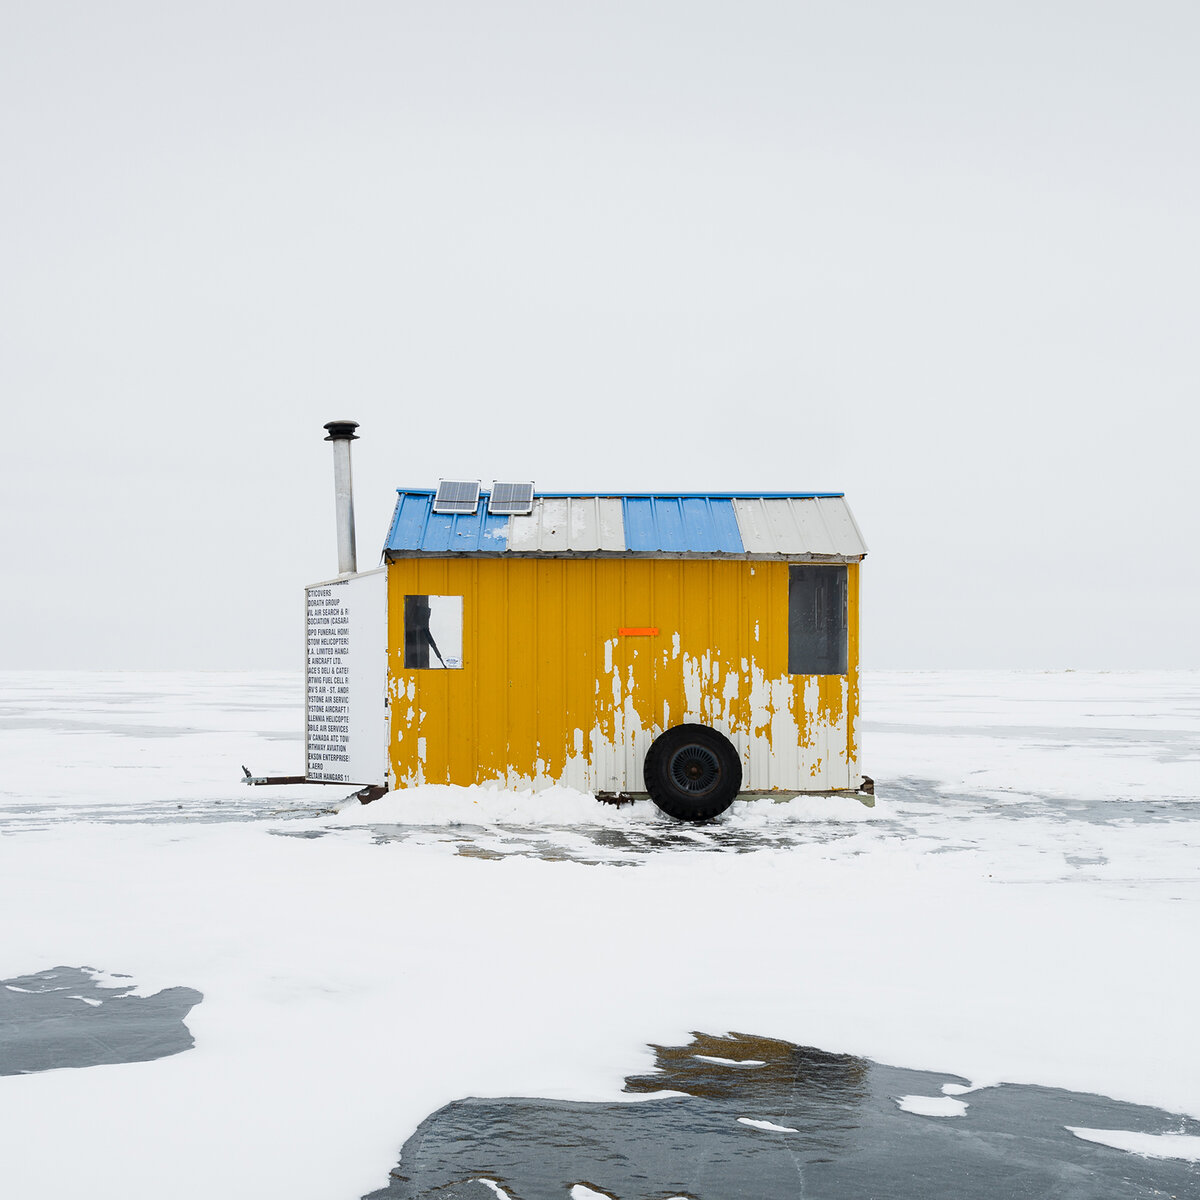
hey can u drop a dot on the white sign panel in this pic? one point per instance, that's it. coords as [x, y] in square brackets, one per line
[346, 679]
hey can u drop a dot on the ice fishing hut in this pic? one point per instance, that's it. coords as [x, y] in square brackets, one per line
[689, 646]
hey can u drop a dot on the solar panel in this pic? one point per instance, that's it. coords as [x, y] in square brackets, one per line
[456, 496]
[511, 499]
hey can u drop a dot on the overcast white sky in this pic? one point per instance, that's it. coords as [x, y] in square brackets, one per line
[941, 256]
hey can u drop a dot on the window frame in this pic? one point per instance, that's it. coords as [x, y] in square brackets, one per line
[818, 619]
[418, 635]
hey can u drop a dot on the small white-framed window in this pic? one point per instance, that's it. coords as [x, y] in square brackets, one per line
[433, 632]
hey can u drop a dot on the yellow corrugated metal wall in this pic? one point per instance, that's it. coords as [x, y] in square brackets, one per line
[550, 692]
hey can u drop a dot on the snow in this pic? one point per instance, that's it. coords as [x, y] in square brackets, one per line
[767, 1125]
[730, 1062]
[1151, 1145]
[963, 1089]
[495, 1187]
[933, 1106]
[1107, 735]
[434, 804]
[1020, 905]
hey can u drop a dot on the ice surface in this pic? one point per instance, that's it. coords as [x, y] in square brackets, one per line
[1021, 905]
[824, 1125]
[47, 1023]
[1074, 735]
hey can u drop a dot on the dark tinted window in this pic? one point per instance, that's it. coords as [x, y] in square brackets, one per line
[817, 621]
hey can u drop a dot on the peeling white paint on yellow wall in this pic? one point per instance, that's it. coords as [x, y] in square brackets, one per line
[417, 777]
[780, 744]
[693, 684]
[787, 736]
[855, 747]
[792, 733]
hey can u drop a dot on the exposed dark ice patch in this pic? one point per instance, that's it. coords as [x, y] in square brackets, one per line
[852, 1141]
[64, 1017]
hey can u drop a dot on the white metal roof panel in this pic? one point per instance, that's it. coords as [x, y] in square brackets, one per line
[840, 522]
[796, 527]
[569, 524]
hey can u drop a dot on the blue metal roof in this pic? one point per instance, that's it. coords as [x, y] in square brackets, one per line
[681, 524]
[416, 527]
[718, 523]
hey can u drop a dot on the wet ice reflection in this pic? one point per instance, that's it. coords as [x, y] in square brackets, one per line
[800, 1122]
[78, 1017]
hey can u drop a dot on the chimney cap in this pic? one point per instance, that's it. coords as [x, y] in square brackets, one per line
[341, 431]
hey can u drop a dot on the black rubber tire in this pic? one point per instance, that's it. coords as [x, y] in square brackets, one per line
[693, 773]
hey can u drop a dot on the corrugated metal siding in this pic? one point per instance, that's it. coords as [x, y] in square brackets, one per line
[681, 525]
[789, 526]
[549, 691]
[416, 527]
[408, 520]
[569, 524]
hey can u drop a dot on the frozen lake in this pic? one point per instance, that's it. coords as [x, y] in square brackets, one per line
[829, 1126]
[1021, 906]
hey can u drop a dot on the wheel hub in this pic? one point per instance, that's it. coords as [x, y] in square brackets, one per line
[695, 769]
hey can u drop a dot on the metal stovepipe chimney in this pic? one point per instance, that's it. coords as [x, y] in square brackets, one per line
[341, 434]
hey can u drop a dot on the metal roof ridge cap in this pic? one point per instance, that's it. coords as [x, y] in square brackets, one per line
[668, 495]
